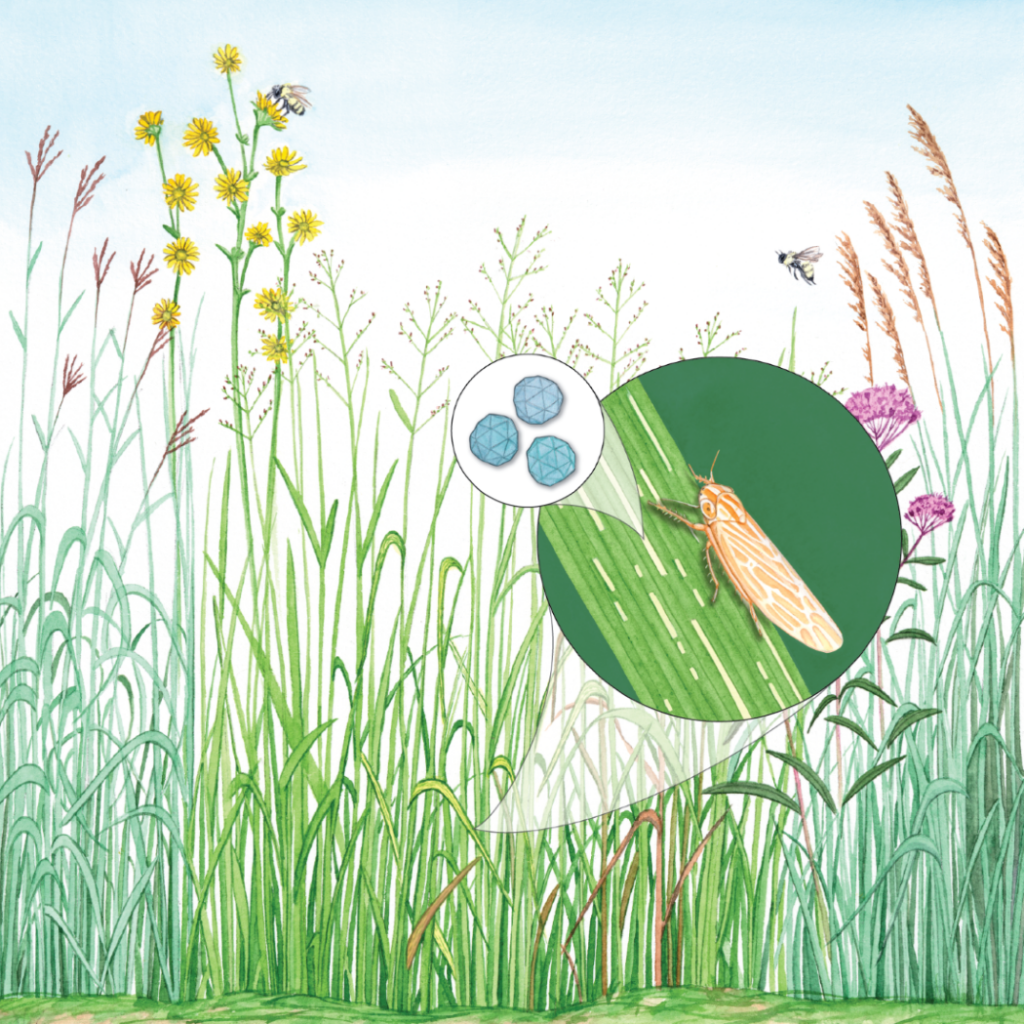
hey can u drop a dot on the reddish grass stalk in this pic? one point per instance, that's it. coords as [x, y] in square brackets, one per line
[43, 163]
[905, 227]
[87, 182]
[183, 435]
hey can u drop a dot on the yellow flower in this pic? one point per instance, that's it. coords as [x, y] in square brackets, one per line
[227, 59]
[180, 193]
[276, 349]
[181, 255]
[200, 136]
[148, 128]
[166, 313]
[304, 226]
[231, 187]
[273, 304]
[271, 109]
[283, 161]
[259, 234]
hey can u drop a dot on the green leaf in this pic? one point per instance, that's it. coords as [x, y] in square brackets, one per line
[925, 560]
[849, 723]
[382, 801]
[809, 774]
[173, 231]
[398, 408]
[32, 262]
[18, 331]
[67, 315]
[300, 752]
[904, 543]
[755, 789]
[444, 790]
[39, 433]
[868, 686]
[869, 776]
[892, 458]
[26, 775]
[821, 707]
[910, 634]
[911, 583]
[905, 479]
[912, 718]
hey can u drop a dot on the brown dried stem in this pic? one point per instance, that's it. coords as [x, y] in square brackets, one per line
[899, 269]
[888, 328]
[1001, 285]
[939, 167]
[849, 268]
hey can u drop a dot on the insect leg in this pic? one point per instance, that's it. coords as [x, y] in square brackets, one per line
[707, 557]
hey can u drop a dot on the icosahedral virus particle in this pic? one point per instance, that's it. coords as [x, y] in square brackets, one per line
[494, 439]
[550, 460]
[537, 399]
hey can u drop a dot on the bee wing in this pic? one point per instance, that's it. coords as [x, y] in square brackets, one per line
[812, 255]
[299, 93]
[759, 569]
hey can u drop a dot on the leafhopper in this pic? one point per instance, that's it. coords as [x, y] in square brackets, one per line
[756, 568]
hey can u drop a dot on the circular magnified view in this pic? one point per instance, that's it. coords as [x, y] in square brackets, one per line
[762, 574]
[527, 430]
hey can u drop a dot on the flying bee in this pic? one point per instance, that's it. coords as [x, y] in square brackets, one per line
[290, 99]
[801, 264]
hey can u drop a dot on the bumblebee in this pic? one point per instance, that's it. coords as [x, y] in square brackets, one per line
[801, 264]
[290, 99]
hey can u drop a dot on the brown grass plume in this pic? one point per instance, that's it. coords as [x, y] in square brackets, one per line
[888, 328]
[939, 167]
[849, 267]
[899, 269]
[1001, 284]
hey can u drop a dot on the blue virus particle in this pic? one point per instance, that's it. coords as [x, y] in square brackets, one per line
[550, 460]
[537, 399]
[494, 439]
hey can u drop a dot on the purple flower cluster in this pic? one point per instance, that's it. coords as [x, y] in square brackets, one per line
[929, 512]
[884, 412]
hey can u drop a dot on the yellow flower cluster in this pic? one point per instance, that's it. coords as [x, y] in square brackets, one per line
[180, 193]
[273, 304]
[304, 226]
[200, 136]
[283, 162]
[259, 234]
[181, 256]
[271, 109]
[276, 349]
[228, 60]
[166, 313]
[231, 187]
[148, 128]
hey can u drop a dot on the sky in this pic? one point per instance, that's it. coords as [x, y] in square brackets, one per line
[690, 140]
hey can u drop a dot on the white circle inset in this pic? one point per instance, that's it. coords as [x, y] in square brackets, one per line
[579, 423]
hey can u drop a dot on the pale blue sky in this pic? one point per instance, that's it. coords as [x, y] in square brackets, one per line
[691, 139]
[402, 84]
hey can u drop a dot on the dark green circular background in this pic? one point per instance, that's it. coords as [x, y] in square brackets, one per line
[809, 475]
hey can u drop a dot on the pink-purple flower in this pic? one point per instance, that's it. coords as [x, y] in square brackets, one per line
[884, 412]
[930, 511]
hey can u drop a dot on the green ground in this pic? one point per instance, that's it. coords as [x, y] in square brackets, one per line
[675, 1006]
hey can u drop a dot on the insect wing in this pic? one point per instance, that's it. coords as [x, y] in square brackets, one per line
[812, 255]
[762, 574]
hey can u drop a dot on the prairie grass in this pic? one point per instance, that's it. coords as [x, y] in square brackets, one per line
[274, 785]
